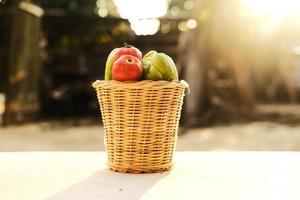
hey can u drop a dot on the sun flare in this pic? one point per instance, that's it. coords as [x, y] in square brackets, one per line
[274, 8]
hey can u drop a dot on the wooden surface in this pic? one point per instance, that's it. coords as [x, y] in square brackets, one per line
[196, 175]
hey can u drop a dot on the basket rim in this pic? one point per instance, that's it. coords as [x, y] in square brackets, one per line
[139, 84]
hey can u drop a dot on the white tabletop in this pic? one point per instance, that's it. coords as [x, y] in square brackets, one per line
[196, 175]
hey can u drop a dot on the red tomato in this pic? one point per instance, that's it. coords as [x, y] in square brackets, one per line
[127, 68]
[128, 50]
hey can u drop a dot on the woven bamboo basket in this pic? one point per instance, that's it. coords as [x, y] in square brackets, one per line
[141, 122]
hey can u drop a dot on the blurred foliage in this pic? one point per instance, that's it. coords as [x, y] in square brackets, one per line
[78, 5]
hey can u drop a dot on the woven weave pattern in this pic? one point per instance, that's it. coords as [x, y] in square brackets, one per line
[141, 122]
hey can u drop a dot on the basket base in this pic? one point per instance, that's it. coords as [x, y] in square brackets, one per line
[140, 170]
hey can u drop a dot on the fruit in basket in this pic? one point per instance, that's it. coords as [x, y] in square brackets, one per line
[116, 54]
[159, 66]
[127, 68]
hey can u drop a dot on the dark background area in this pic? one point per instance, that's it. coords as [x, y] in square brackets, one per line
[73, 55]
[233, 60]
[241, 59]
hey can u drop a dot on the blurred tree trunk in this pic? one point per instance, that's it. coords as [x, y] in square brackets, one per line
[22, 65]
[193, 69]
[214, 61]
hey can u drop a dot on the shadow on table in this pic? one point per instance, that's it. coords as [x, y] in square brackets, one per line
[109, 185]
